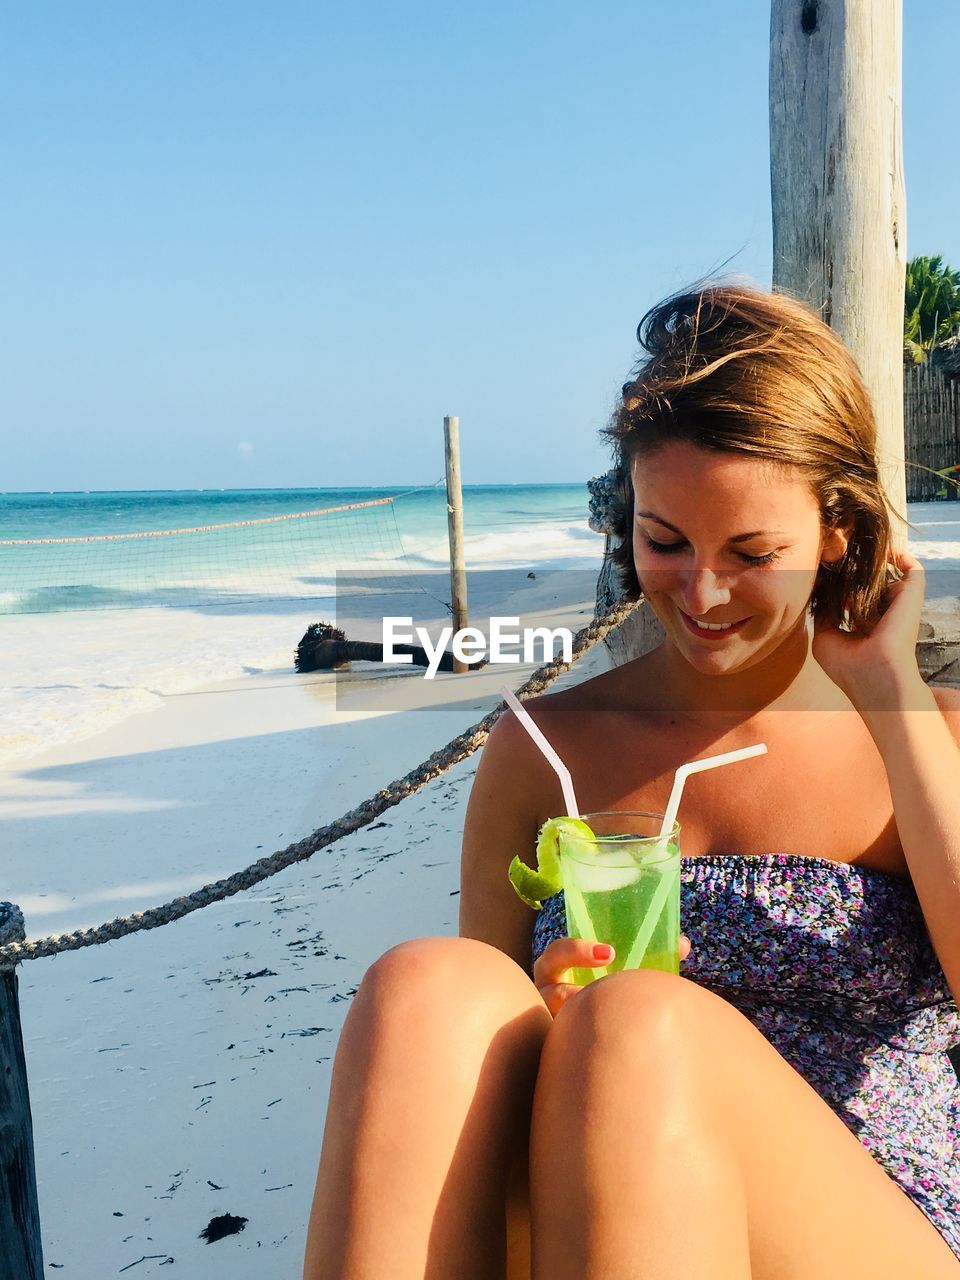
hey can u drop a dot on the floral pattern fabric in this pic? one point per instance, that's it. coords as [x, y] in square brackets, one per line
[834, 965]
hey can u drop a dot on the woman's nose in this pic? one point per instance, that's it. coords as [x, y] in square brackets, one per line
[702, 591]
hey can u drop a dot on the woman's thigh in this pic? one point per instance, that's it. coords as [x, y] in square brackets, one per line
[817, 1202]
[430, 1098]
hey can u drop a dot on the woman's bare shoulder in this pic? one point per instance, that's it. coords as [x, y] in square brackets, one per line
[621, 690]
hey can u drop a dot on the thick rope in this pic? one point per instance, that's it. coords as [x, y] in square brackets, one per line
[459, 748]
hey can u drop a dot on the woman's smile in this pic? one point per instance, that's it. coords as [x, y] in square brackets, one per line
[711, 629]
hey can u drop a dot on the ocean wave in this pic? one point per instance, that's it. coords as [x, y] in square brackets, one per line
[206, 592]
[543, 545]
[72, 675]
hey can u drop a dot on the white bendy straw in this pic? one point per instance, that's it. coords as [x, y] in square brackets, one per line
[559, 768]
[668, 882]
[697, 766]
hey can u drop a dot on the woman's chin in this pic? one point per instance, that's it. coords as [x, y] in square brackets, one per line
[716, 657]
[718, 664]
[725, 657]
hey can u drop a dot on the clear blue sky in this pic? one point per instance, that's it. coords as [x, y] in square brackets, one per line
[266, 245]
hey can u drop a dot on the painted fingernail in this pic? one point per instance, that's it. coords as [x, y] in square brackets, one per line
[603, 951]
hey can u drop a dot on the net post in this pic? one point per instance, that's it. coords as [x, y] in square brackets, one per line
[21, 1254]
[458, 568]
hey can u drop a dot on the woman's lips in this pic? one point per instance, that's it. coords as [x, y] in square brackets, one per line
[706, 634]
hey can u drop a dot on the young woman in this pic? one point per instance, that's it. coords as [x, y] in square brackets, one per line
[786, 1107]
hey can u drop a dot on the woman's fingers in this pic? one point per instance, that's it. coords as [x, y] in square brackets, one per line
[553, 966]
[556, 995]
[564, 954]
[551, 970]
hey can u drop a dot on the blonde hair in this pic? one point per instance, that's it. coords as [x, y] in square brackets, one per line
[731, 368]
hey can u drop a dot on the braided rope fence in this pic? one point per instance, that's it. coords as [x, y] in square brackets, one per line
[459, 748]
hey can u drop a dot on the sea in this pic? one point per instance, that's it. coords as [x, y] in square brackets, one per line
[110, 602]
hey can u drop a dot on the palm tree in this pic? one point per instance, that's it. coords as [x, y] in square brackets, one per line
[931, 311]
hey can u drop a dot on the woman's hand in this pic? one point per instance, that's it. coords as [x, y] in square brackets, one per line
[563, 954]
[875, 670]
[553, 965]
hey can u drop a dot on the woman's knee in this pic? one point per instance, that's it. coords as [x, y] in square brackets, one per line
[631, 1039]
[446, 977]
[640, 1013]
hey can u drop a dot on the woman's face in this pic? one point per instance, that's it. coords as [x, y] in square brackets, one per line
[722, 538]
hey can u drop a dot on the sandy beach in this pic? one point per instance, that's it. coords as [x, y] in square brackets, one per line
[182, 1074]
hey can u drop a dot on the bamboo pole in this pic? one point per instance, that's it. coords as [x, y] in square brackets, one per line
[839, 205]
[458, 568]
[21, 1255]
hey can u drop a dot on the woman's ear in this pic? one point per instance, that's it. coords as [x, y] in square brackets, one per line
[834, 546]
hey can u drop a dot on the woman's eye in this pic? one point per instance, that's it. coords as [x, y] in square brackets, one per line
[770, 556]
[664, 548]
[670, 548]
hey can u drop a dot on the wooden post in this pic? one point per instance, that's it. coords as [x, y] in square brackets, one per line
[458, 568]
[839, 207]
[21, 1257]
[640, 631]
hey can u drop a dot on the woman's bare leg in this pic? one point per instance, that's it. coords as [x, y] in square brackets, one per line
[670, 1138]
[429, 1112]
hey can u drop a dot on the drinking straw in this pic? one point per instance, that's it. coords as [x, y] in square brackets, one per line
[657, 903]
[668, 883]
[559, 768]
[583, 928]
[697, 766]
[566, 783]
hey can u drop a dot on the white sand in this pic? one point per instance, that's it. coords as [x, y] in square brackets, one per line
[183, 1073]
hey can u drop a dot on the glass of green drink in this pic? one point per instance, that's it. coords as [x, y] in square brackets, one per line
[623, 887]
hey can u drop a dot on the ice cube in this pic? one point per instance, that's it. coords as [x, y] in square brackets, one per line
[602, 875]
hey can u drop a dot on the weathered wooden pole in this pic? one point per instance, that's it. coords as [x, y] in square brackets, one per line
[640, 631]
[839, 206]
[458, 568]
[21, 1257]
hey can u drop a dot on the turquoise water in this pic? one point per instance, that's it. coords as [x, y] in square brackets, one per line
[59, 515]
[258, 555]
[93, 632]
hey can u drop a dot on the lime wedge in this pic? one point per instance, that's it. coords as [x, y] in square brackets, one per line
[548, 844]
[530, 886]
[535, 886]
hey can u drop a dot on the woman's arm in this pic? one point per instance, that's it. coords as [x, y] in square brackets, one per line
[917, 735]
[513, 792]
[919, 748]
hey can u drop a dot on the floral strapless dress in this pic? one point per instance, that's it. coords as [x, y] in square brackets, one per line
[834, 964]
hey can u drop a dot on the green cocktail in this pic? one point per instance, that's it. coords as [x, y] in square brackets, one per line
[623, 887]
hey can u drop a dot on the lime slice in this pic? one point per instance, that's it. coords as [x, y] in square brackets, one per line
[573, 830]
[531, 887]
[535, 886]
